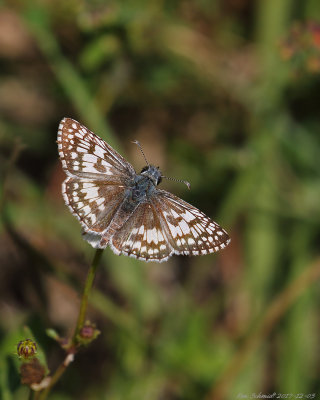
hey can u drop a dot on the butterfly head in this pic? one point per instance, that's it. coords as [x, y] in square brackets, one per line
[152, 173]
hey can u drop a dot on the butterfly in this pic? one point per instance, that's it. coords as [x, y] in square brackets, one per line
[125, 210]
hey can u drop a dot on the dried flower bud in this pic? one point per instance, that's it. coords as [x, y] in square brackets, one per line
[32, 372]
[26, 349]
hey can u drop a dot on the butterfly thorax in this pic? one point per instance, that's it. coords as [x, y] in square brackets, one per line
[151, 172]
[144, 185]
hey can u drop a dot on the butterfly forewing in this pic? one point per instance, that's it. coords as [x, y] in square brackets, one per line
[189, 230]
[84, 154]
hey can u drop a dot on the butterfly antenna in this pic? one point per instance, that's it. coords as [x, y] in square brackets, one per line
[177, 180]
[140, 147]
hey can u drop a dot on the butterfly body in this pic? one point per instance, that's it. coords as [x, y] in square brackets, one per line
[144, 184]
[125, 210]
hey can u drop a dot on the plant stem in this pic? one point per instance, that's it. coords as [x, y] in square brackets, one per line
[85, 296]
[81, 320]
[56, 376]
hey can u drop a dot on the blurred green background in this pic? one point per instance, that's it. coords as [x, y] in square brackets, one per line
[222, 93]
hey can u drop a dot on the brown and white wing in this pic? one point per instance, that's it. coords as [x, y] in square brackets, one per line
[142, 236]
[97, 177]
[167, 225]
[86, 155]
[189, 230]
[94, 203]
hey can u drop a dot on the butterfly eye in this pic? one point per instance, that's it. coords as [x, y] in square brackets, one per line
[144, 169]
[159, 180]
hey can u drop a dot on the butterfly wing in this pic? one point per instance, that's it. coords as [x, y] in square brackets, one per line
[189, 230]
[94, 203]
[97, 176]
[85, 155]
[165, 225]
[142, 235]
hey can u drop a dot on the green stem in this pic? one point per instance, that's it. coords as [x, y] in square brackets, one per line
[55, 377]
[85, 296]
[81, 320]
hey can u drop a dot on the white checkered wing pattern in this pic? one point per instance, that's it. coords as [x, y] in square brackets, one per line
[167, 225]
[142, 236]
[189, 230]
[93, 202]
[83, 154]
[97, 175]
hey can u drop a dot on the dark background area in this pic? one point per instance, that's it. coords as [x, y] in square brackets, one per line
[223, 94]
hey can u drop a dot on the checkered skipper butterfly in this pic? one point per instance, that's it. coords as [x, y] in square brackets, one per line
[125, 210]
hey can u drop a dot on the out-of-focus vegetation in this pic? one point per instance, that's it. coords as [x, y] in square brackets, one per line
[224, 94]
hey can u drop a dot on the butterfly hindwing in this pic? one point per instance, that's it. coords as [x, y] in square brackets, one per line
[93, 202]
[142, 236]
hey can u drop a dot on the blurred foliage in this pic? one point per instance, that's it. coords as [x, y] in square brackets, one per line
[224, 94]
